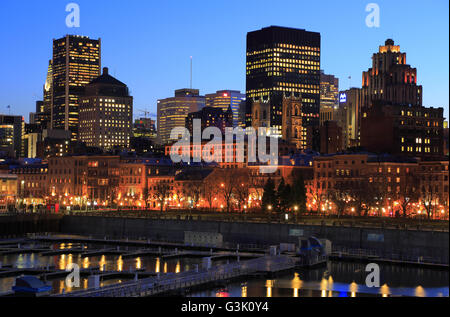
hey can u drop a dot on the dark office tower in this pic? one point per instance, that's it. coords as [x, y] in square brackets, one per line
[390, 80]
[225, 99]
[211, 117]
[282, 62]
[76, 62]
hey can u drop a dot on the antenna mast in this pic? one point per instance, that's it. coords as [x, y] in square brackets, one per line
[191, 74]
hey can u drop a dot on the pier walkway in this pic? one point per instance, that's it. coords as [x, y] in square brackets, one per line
[177, 282]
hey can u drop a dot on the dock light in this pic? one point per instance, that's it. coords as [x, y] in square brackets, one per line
[269, 207]
[295, 208]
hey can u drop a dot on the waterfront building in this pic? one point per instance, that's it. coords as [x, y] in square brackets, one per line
[8, 192]
[378, 185]
[32, 186]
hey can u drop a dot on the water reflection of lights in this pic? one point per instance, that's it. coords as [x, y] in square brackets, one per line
[138, 263]
[296, 284]
[419, 291]
[86, 263]
[269, 285]
[353, 289]
[158, 264]
[178, 267]
[102, 263]
[119, 264]
[244, 290]
[384, 290]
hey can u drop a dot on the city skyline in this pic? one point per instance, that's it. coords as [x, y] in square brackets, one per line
[158, 79]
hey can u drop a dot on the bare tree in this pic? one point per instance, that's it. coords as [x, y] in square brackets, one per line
[339, 195]
[242, 190]
[210, 191]
[365, 195]
[193, 189]
[162, 192]
[227, 185]
[316, 193]
[429, 196]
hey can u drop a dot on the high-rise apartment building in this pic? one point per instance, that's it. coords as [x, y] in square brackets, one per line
[106, 113]
[225, 99]
[76, 62]
[172, 112]
[282, 62]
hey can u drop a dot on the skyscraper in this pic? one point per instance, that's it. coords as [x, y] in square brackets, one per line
[76, 62]
[348, 117]
[12, 130]
[283, 62]
[393, 119]
[172, 112]
[106, 113]
[225, 99]
[211, 117]
[390, 79]
[46, 109]
[329, 97]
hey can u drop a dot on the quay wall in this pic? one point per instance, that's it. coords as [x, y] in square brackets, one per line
[21, 224]
[384, 241]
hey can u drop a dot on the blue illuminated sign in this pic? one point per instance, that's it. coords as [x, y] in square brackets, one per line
[343, 98]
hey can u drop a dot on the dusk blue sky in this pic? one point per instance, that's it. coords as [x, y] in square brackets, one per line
[147, 44]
